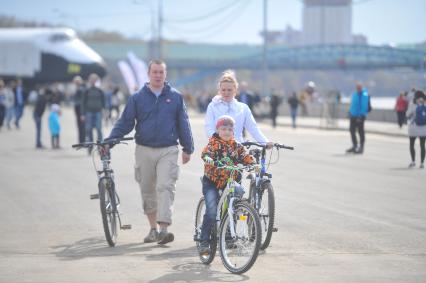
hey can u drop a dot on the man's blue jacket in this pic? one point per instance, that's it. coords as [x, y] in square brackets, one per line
[160, 122]
[359, 104]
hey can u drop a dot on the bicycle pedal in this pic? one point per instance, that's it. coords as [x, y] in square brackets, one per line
[274, 229]
[126, 227]
[94, 196]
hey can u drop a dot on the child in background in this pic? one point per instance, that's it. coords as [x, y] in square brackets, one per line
[54, 125]
[221, 144]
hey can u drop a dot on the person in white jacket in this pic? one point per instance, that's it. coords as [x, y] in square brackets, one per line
[225, 104]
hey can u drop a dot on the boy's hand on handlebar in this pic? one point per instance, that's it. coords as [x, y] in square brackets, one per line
[269, 145]
[208, 160]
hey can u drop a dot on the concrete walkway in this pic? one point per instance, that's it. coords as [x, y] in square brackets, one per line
[382, 128]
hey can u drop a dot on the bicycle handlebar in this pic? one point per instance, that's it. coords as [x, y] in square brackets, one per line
[101, 143]
[248, 144]
[232, 167]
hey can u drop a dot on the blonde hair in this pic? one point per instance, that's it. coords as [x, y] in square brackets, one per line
[228, 76]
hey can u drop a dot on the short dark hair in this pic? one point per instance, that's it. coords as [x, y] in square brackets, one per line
[157, 62]
[418, 94]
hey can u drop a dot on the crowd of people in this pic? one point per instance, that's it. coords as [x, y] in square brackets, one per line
[91, 103]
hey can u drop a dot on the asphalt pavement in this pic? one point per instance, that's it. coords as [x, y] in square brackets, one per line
[340, 218]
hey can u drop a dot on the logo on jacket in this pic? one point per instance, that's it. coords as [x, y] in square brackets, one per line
[168, 100]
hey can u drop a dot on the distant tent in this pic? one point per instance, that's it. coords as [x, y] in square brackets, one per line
[139, 68]
[128, 75]
[134, 72]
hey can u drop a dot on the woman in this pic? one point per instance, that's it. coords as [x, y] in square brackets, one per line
[416, 126]
[401, 108]
[225, 104]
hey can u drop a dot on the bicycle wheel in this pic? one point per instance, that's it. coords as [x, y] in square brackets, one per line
[199, 215]
[108, 203]
[265, 209]
[239, 254]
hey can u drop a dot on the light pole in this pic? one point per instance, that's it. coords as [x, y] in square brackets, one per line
[160, 27]
[265, 83]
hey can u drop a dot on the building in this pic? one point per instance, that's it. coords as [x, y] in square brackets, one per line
[327, 22]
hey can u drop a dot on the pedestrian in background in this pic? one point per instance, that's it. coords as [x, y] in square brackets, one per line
[54, 125]
[416, 115]
[293, 102]
[39, 108]
[78, 100]
[91, 107]
[9, 103]
[274, 103]
[20, 97]
[401, 106]
[358, 110]
[2, 102]
[245, 96]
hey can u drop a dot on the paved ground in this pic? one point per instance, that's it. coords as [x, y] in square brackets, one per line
[341, 218]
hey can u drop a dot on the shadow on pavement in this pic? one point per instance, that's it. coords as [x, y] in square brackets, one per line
[198, 272]
[97, 247]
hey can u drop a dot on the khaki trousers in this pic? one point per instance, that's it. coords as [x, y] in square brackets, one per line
[156, 171]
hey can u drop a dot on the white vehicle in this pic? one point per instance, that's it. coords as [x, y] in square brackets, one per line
[41, 55]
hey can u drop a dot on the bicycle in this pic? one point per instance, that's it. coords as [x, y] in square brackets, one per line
[109, 199]
[237, 227]
[261, 193]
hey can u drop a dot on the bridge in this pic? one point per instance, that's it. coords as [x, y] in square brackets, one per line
[316, 57]
[321, 57]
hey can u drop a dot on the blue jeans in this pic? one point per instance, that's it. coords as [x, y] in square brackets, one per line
[293, 114]
[211, 198]
[93, 120]
[19, 111]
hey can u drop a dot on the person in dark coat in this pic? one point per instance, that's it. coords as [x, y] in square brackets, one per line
[78, 99]
[39, 107]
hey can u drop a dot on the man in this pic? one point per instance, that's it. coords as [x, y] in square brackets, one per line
[20, 98]
[78, 99]
[274, 103]
[358, 111]
[245, 96]
[161, 120]
[39, 107]
[92, 105]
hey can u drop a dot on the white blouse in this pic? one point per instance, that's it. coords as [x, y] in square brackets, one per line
[241, 114]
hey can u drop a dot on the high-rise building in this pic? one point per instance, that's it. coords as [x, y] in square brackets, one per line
[327, 22]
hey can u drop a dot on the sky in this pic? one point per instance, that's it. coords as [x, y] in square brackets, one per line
[220, 21]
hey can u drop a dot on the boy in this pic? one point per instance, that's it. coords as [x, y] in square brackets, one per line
[54, 126]
[221, 144]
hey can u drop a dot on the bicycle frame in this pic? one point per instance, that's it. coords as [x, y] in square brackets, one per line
[260, 175]
[109, 199]
[226, 205]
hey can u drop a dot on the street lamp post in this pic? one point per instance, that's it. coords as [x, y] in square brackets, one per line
[265, 83]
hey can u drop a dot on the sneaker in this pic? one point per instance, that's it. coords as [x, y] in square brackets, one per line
[165, 237]
[359, 150]
[350, 150]
[151, 237]
[412, 164]
[204, 248]
[422, 166]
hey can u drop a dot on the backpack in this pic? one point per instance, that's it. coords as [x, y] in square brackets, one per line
[420, 118]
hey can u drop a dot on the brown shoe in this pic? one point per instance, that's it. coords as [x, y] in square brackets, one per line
[151, 237]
